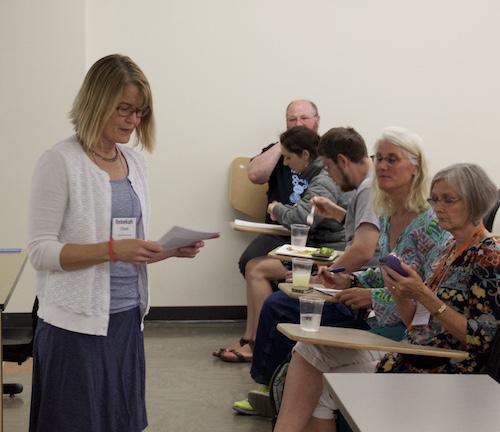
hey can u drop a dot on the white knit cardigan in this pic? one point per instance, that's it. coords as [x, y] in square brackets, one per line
[71, 203]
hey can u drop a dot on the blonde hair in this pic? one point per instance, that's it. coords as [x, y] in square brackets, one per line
[99, 95]
[412, 145]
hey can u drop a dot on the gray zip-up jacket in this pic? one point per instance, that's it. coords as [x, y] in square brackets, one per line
[323, 232]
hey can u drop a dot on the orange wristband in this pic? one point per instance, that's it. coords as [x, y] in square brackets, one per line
[112, 255]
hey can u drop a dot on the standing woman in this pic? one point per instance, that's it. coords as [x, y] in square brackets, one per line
[89, 216]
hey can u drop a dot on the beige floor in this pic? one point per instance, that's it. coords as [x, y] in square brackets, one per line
[187, 389]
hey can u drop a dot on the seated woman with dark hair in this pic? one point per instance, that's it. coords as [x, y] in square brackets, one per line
[299, 146]
[460, 300]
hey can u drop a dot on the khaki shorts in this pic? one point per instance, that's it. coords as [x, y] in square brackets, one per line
[339, 360]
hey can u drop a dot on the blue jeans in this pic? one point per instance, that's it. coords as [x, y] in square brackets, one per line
[272, 347]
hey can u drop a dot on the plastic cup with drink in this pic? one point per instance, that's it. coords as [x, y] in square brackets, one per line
[301, 273]
[299, 234]
[311, 309]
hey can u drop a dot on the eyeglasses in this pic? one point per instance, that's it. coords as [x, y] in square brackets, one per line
[127, 110]
[447, 201]
[301, 118]
[391, 160]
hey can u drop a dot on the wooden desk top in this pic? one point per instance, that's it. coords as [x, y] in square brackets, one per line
[416, 402]
[11, 267]
[287, 289]
[362, 339]
[255, 230]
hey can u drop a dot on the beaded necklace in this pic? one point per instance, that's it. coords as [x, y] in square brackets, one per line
[442, 268]
[105, 159]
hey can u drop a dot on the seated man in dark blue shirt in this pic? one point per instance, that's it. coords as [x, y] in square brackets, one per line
[285, 187]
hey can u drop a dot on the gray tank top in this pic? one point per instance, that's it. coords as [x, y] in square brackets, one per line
[124, 276]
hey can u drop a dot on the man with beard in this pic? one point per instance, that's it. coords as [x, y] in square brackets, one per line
[345, 156]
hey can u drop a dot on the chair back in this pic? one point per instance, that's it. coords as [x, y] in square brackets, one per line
[18, 340]
[492, 218]
[244, 196]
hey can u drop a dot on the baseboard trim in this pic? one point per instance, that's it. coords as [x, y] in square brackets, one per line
[196, 313]
[156, 313]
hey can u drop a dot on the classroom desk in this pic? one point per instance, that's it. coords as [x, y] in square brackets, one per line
[416, 402]
[11, 267]
[287, 289]
[362, 339]
[259, 230]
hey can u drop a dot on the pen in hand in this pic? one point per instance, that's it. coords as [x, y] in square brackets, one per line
[337, 270]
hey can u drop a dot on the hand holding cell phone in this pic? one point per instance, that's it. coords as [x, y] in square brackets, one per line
[393, 262]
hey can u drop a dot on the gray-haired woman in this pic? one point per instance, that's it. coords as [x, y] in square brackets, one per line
[461, 299]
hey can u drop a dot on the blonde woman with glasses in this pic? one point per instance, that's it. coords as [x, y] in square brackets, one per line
[409, 229]
[89, 221]
[458, 303]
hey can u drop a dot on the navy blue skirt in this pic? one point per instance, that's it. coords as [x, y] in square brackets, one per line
[85, 383]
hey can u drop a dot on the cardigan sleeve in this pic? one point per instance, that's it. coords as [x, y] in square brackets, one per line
[49, 195]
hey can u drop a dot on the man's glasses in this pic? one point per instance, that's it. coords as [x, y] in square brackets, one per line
[301, 118]
[447, 201]
[127, 110]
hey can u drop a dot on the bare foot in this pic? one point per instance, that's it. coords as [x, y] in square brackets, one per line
[242, 354]
[236, 346]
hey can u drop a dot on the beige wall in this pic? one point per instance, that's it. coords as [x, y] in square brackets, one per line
[41, 65]
[222, 73]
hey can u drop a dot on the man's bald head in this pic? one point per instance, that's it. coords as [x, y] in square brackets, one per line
[302, 113]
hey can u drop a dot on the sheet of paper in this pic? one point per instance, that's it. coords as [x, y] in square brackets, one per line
[243, 223]
[422, 316]
[330, 291]
[178, 237]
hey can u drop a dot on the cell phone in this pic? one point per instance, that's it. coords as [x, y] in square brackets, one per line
[394, 263]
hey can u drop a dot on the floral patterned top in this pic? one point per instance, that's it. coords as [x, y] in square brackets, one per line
[471, 286]
[420, 243]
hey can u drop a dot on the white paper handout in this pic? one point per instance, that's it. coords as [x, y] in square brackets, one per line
[330, 291]
[178, 237]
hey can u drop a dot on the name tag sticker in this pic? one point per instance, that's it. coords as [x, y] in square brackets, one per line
[123, 228]
[421, 317]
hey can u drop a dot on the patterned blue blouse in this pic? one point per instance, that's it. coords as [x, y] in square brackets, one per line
[420, 243]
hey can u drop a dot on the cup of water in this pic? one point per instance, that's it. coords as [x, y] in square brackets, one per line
[299, 234]
[301, 273]
[310, 313]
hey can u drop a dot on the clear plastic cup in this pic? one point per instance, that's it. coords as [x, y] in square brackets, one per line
[311, 309]
[299, 234]
[301, 273]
